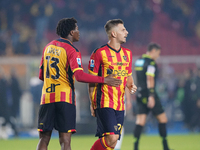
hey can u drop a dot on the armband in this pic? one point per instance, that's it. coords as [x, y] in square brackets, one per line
[151, 92]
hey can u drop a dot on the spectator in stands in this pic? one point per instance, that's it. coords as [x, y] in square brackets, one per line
[89, 14]
[3, 91]
[191, 95]
[2, 46]
[180, 93]
[5, 103]
[16, 93]
[195, 101]
[42, 11]
[186, 101]
[36, 91]
[196, 11]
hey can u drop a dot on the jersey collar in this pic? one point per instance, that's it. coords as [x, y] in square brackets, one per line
[65, 40]
[146, 56]
[113, 48]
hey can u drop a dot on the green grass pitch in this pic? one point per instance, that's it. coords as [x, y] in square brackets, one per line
[84, 142]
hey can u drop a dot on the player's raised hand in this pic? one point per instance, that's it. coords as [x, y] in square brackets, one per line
[111, 81]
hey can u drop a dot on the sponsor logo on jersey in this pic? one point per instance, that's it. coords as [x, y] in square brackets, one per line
[51, 89]
[119, 64]
[92, 63]
[121, 72]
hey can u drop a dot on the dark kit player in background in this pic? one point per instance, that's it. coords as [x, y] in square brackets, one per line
[147, 98]
[60, 63]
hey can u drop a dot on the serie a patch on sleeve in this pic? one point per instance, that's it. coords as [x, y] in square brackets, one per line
[91, 64]
[79, 61]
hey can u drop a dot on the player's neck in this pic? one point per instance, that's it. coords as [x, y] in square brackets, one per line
[151, 55]
[69, 39]
[114, 45]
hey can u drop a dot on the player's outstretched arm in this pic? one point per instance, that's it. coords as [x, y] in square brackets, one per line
[88, 78]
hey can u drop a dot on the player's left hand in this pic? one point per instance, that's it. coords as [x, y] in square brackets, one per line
[132, 88]
[151, 102]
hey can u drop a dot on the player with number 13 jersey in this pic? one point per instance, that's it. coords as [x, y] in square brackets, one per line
[60, 60]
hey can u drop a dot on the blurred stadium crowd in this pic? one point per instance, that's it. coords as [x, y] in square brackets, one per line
[27, 25]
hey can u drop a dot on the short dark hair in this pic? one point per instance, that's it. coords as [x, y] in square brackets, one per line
[152, 46]
[111, 23]
[64, 27]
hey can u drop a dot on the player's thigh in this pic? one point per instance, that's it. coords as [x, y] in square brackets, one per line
[142, 105]
[65, 120]
[45, 136]
[109, 121]
[65, 137]
[141, 119]
[112, 139]
[46, 117]
[157, 109]
[162, 118]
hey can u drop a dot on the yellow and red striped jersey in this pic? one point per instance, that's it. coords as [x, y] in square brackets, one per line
[104, 61]
[59, 61]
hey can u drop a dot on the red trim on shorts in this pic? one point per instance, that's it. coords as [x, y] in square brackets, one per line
[108, 133]
[72, 130]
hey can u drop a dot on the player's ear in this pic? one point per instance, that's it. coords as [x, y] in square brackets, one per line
[71, 32]
[113, 34]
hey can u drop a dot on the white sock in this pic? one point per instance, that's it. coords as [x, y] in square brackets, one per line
[119, 142]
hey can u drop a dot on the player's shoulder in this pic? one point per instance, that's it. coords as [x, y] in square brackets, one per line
[67, 45]
[149, 60]
[99, 49]
[126, 49]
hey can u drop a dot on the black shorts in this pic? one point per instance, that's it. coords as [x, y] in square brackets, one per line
[143, 109]
[109, 121]
[59, 115]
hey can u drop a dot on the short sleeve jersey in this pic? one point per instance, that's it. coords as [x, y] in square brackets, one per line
[59, 61]
[144, 66]
[105, 61]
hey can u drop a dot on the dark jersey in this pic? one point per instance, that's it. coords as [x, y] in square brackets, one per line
[144, 66]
